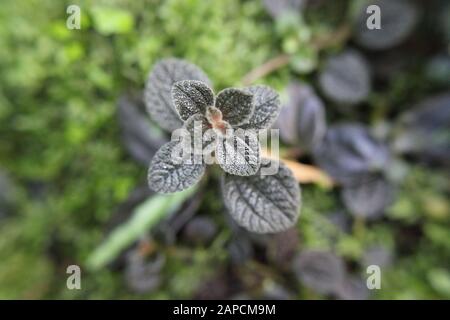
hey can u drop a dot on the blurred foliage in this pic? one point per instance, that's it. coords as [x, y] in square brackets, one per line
[60, 143]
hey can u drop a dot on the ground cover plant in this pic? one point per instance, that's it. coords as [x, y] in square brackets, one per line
[364, 133]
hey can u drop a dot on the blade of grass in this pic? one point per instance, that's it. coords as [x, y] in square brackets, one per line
[144, 217]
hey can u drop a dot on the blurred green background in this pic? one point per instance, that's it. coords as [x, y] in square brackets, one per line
[61, 149]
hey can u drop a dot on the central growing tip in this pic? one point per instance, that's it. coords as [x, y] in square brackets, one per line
[214, 116]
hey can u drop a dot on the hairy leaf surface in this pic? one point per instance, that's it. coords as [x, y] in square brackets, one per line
[236, 105]
[191, 97]
[158, 97]
[263, 203]
[170, 173]
[266, 107]
[238, 155]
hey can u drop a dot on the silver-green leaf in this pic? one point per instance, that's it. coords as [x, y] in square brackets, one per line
[263, 203]
[157, 95]
[191, 97]
[169, 172]
[238, 154]
[236, 105]
[267, 107]
[201, 133]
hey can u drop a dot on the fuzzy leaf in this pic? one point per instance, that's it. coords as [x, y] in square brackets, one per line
[266, 107]
[398, 19]
[236, 105]
[263, 203]
[349, 152]
[158, 97]
[319, 270]
[302, 120]
[191, 97]
[368, 198]
[346, 78]
[168, 174]
[238, 155]
[197, 125]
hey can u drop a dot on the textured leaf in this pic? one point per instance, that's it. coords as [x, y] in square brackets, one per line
[368, 198]
[158, 97]
[203, 138]
[191, 97]
[319, 270]
[266, 108]
[349, 152]
[346, 78]
[236, 105]
[238, 155]
[263, 203]
[302, 120]
[276, 8]
[167, 175]
[398, 19]
[140, 137]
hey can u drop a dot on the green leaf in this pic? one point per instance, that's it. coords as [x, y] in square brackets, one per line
[145, 216]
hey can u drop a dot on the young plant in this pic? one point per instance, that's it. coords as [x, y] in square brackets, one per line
[178, 95]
